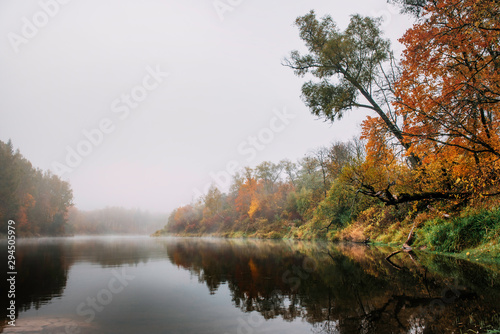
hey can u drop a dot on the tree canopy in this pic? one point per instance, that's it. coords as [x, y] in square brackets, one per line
[440, 103]
[449, 92]
[355, 69]
[37, 201]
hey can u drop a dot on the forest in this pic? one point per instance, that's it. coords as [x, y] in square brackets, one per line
[41, 204]
[36, 200]
[426, 166]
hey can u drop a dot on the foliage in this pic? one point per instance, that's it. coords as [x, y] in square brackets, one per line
[432, 140]
[37, 201]
[458, 234]
[271, 200]
[354, 68]
[449, 97]
[414, 7]
[341, 205]
[435, 134]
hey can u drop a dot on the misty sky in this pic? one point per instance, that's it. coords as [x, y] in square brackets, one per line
[161, 95]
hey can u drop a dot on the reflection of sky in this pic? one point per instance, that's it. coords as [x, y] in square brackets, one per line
[162, 298]
[170, 291]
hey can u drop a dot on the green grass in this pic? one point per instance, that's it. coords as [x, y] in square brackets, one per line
[458, 234]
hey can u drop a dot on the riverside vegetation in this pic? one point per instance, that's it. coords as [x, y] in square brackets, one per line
[427, 161]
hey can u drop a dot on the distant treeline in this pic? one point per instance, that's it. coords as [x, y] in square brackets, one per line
[36, 200]
[114, 220]
[41, 204]
[270, 199]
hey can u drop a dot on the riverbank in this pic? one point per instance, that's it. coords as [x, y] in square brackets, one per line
[472, 235]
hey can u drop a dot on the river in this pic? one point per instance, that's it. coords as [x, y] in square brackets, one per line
[187, 285]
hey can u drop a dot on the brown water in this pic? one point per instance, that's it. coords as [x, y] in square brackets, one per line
[175, 285]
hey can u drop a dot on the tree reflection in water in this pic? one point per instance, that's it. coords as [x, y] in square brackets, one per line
[337, 288]
[352, 288]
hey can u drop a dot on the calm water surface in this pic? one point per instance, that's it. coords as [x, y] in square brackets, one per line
[176, 285]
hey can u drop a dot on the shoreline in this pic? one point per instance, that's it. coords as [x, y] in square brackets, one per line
[475, 255]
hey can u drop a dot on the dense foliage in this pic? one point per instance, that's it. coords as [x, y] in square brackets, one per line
[37, 201]
[434, 132]
[432, 140]
[272, 200]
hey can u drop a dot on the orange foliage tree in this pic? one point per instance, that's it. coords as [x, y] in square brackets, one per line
[449, 95]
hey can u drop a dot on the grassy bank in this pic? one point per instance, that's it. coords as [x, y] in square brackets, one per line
[474, 234]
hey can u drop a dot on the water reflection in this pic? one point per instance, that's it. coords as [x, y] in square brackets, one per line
[346, 288]
[42, 265]
[334, 288]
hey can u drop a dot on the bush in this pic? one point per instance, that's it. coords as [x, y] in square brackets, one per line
[341, 206]
[274, 235]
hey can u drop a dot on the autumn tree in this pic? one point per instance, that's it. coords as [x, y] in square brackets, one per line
[270, 174]
[322, 159]
[185, 219]
[269, 199]
[213, 209]
[38, 201]
[213, 201]
[9, 181]
[290, 170]
[247, 201]
[441, 107]
[449, 95]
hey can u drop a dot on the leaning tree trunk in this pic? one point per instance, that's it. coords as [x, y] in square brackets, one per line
[409, 241]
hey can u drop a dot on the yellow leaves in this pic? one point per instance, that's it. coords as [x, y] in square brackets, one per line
[254, 207]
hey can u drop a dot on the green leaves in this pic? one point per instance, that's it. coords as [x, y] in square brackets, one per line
[315, 33]
[346, 62]
[327, 100]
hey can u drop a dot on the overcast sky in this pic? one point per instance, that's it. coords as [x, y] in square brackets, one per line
[141, 103]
